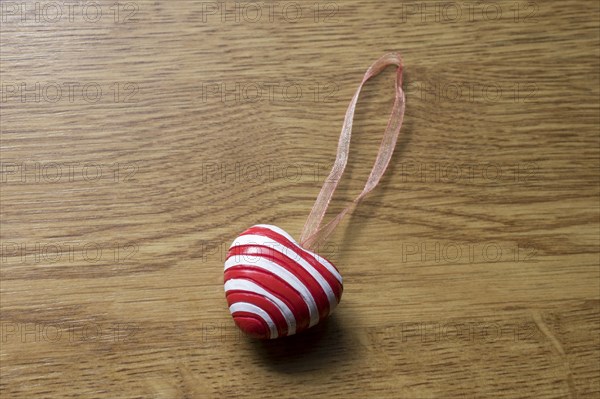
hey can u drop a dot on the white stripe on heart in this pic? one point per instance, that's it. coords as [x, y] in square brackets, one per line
[319, 259]
[236, 284]
[250, 308]
[286, 276]
[252, 239]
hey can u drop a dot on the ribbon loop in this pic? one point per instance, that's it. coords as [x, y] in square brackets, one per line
[313, 232]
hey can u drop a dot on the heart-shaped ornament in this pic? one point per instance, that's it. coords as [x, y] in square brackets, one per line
[276, 288]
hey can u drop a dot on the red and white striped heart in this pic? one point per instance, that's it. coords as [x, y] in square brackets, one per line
[274, 287]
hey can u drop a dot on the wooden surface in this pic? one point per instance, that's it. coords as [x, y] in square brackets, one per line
[471, 271]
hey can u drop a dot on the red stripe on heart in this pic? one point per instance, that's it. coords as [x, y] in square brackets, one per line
[244, 254]
[276, 237]
[252, 325]
[277, 287]
[263, 303]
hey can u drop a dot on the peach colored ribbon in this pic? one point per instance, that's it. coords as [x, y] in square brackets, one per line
[313, 232]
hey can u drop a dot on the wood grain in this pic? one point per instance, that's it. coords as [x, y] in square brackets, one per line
[136, 144]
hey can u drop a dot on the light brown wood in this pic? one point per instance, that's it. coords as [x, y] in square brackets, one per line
[471, 271]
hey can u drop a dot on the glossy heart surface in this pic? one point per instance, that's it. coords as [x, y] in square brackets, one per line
[276, 288]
